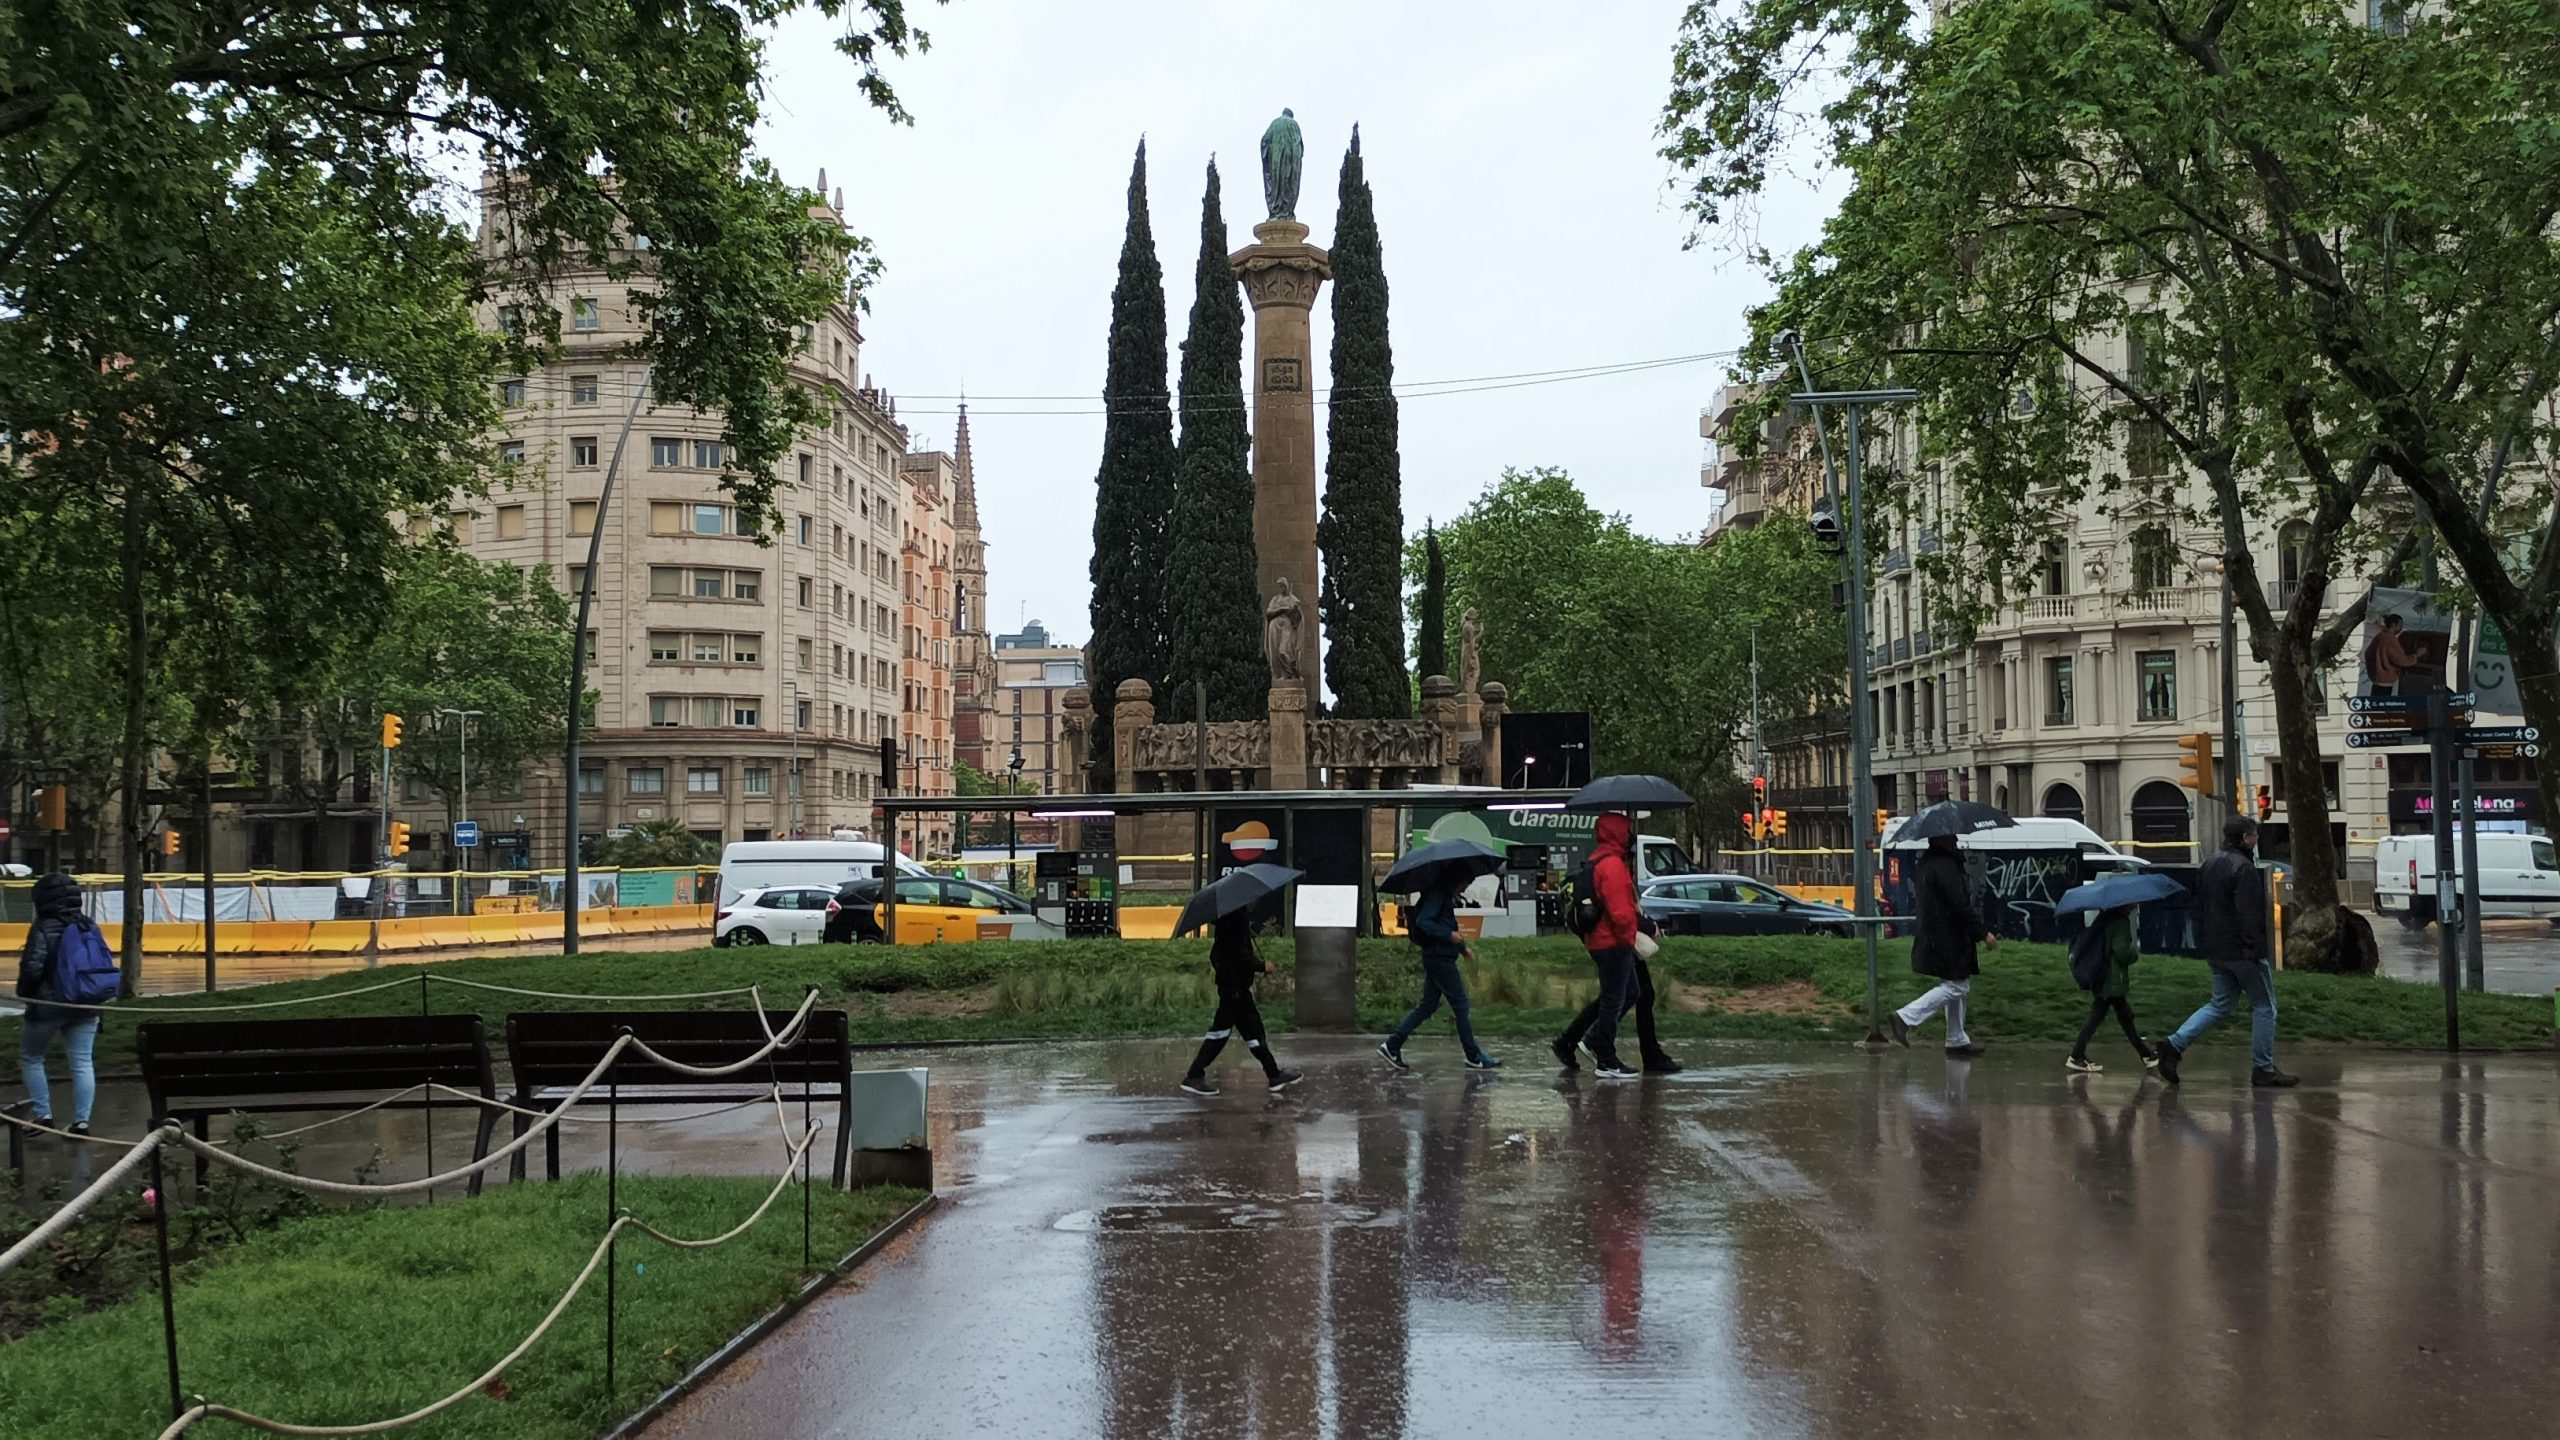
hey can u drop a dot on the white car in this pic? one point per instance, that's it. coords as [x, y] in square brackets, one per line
[774, 915]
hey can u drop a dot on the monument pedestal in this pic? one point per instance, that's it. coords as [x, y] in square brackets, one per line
[1328, 981]
[1287, 707]
[1281, 275]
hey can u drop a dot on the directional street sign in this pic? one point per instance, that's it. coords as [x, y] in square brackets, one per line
[2383, 739]
[2408, 704]
[2500, 734]
[466, 834]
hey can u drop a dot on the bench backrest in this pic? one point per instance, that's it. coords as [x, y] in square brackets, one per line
[193, 1059]
[549, 1048]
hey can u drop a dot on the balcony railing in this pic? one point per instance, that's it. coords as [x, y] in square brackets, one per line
[1901, 648]
[2055, 719]
[1882, 658]
[1896, 561]
[1929, 542]
[1920, 642]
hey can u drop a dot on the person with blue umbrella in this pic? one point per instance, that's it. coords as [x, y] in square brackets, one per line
[1436, 873]
[2102, 958]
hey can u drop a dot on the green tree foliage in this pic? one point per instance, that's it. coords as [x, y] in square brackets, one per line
[1431, 608]
[241, 315]
[968, 779]
[1582, 613]
[465, 634]
[2224, 267]
[1213, 615]
[1361, 534]
[1134, 490]
[659, 844]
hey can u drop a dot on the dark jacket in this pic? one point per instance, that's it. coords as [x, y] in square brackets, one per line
[57, 900]
[1232, 957]
[2231, 910]
[1950, 923]
[2102, 958]
[1434, 924]
[1613, 878]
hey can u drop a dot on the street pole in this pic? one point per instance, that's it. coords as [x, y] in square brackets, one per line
[1759, 755]
[462, 857]
[204, 837]
[578, 675]
[2231, 760]
[1862, 782]
[2474, 972]
[791, 717]
[2448, 899]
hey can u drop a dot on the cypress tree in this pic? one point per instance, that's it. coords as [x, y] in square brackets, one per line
[1213, 613]
[1432, 641]
[1134, 488]
[1361, 535]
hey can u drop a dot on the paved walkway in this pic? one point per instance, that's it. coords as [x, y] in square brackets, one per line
[1786, 1241]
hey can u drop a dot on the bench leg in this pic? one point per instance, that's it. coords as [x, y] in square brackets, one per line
[551, 1153]
[480, 1146]
[515, 1162]
[844, 1142]
[204, 1132]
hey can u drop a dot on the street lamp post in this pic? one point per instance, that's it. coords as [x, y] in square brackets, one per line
[1862, 782]
[1012, 787]
[462, 883]
[791, 718]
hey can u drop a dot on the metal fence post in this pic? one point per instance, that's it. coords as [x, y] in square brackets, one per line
[168, 1292]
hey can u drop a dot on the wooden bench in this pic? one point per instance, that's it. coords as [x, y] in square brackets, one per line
[552, 1050]
[197, 1069]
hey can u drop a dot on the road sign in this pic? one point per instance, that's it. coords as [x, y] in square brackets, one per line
[466, 834]
[5, 830]
[2383, 739]
[2500, 734]
[2407, 704]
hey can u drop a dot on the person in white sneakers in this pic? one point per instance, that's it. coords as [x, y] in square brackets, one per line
[1950, 925]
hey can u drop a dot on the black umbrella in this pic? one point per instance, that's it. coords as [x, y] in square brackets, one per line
[1446, 863]
[1952, 817]
[1232, 892]
[1628, 792]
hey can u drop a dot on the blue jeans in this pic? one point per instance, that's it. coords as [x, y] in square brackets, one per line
[1617, 988]
[1440, 980]
[79, 1032]
[2258, 982]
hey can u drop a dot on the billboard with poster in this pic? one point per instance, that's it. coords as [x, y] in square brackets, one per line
[2407, 644]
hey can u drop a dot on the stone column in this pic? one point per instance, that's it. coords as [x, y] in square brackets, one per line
[1497, 698]
[1287, 705]
[1133, 709]
[1281, 274]
[1440, 707]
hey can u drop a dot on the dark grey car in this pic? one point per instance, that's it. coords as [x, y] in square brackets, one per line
[1735, 905]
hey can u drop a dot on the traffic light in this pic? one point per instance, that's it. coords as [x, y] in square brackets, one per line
[53, 808]
[391, 727]
[1884, 817]
[889, 764]
[2266, 801]
[169, 842]
[399, 837]
[1778, 823]
[1751, 824]
[2195, 767]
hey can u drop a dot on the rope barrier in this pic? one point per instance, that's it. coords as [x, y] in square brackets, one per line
[26, 1124]
[474, 1097]
[79, 1205]
[127, 1007]
[564, 995]
[204, 1409]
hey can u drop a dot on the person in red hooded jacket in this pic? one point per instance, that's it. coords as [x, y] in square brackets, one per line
[1612, 943]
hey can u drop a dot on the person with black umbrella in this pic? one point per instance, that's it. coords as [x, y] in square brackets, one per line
[1950, 924]
[1225, 907]
[1437, 872]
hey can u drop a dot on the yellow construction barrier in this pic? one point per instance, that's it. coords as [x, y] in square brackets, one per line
[277, 937]
[338, 937]
[498, 929]
[1839, 895]
[13, 938]
[1148, 922]
[541, 929]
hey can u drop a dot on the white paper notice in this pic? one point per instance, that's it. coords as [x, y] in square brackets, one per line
[1328, 907]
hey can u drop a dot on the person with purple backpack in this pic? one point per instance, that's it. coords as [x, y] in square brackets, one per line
[62, 962]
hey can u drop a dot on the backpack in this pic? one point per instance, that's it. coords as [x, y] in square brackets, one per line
[84, 969]
[1582, 900]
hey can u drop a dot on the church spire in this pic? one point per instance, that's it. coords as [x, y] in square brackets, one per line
[965, 481]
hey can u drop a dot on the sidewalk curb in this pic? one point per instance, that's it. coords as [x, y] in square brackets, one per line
[718, 1360]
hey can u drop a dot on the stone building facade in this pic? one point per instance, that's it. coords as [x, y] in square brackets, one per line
[928, 592]
[722, 659]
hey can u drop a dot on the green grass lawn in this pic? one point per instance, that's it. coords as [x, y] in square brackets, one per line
[1810, 988]
[366, 1314]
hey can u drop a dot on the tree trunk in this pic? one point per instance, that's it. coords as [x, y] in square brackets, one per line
[2314, 929]
[136, 740]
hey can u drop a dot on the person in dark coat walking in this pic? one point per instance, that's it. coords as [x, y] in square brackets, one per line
[1612, 944]
[1236, 964]
[57, 901]
[1950, 925]
[1434, 926]
[2102, 961]
[2231, 912]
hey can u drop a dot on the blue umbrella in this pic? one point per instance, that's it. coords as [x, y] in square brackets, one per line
[1452, 862]
[1232, 892]
[2114, 892]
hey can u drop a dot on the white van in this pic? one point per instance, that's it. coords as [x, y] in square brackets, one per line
[753, 864]
[2519, 877]
[2034, 832]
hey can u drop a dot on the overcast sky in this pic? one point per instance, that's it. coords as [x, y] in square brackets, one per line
[1527, 222]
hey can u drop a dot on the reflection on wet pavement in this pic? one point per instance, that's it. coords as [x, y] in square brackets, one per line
[1787, 1240]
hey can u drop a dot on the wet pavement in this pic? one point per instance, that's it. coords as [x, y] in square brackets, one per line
[2517, 957]
[1788, 1240]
